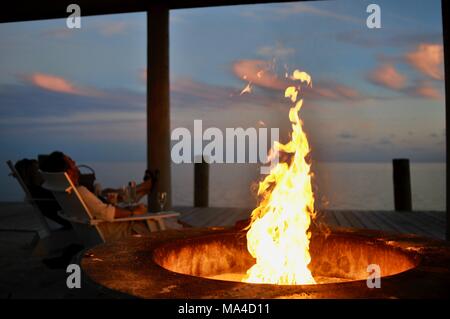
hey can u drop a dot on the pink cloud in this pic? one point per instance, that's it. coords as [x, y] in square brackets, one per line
[53, 83]
[143, 75]
[259, 73]
[58, 84]
[348, 92]
[428, 59]
[330, 90]
[387, 76]
[426, 90]
[113, 28]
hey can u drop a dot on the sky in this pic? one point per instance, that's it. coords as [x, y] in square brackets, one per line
[377, 94]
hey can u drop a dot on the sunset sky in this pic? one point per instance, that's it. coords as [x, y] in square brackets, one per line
[377, 93]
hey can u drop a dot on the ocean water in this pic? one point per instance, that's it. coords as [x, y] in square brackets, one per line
[366, 186]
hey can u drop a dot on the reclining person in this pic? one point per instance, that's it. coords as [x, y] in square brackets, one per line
[29, 172]
[59, 162]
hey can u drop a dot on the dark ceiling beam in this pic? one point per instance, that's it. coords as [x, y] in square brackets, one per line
[55, 9]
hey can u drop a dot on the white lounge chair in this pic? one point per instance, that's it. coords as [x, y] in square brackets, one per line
[77, 213]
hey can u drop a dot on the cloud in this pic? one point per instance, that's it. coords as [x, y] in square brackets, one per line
[259, 73]
[58, 33]
[346, 135]
[143, 75]
[333, 91]
[384, 141]
[53, 83]
[32, 100]
[106, 29]
[76, 118]
[186, 88]
[262, 73]
[296, 8]
[58, 84]
[277, 51]
[425, 90]
[362, 39]
[428, 59]
[387, 76]
[358, 38]
[113, 28]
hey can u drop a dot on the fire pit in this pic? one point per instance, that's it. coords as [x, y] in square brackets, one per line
[280, 254]
[191, 263]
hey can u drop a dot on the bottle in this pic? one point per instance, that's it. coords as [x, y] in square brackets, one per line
[132, 191]
[97, 189]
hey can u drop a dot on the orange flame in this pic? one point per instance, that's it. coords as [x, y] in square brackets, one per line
[278, 235]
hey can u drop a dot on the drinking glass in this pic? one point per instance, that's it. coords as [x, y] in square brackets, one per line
[162, 199]
[126, 195]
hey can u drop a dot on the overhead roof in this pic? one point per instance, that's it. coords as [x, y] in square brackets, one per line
[21, 10]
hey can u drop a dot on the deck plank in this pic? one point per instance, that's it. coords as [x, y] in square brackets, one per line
[234, 216]
[424, 223]
[343, 222]
[437, 218]
[356, 222]
[328, 218]
[367, 224]
[430, 224]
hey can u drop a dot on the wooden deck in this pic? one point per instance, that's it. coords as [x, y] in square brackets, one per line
[23, 275]
[19, 216]
[424, 223]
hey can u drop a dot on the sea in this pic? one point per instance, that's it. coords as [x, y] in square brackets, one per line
[351, 186]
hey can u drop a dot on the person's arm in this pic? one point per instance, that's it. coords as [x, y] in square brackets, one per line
[130, 211]
[122, 212]
[143, 188]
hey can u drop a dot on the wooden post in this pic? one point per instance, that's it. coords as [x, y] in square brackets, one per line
[402, 185]
[158, 101]
[201, 184]
[446, 30]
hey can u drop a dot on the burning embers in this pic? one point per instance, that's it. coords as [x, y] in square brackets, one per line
[278, 235]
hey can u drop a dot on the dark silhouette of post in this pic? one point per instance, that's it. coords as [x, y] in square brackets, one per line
[158, 101]
[402, 185]
[201, 184]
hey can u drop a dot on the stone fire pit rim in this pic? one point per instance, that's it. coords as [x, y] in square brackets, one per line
[419, 248]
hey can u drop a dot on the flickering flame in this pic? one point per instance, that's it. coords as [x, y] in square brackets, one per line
[278, 236]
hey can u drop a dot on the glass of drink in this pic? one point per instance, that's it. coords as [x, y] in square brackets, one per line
[162, 199]
[126, 195]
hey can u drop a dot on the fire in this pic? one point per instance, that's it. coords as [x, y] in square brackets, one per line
[278, 236]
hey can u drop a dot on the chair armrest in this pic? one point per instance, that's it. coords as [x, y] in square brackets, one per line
[147, 216]
[93, 222]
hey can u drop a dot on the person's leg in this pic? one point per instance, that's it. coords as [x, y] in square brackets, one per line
[144, 227]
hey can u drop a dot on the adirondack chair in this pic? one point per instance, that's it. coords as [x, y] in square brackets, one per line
[45, 229]
[77, 213]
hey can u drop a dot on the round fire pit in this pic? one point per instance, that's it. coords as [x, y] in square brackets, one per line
[209, 263]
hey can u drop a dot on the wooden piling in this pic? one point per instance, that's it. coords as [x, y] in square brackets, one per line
[402, 185]
[201, 184]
